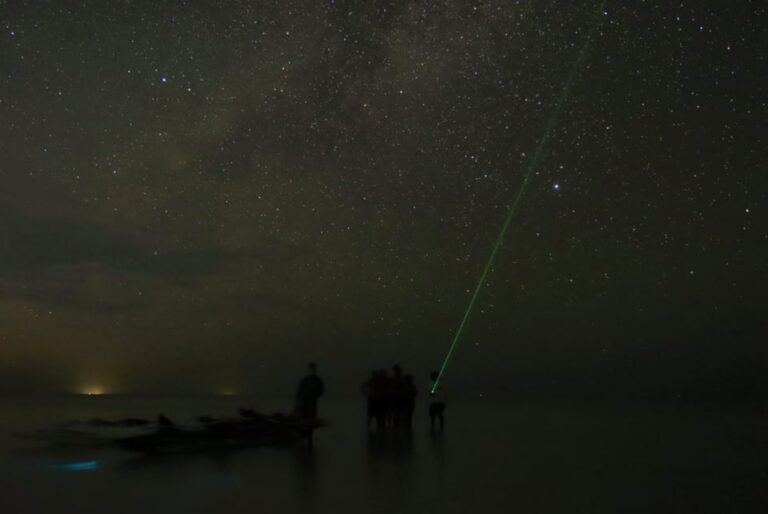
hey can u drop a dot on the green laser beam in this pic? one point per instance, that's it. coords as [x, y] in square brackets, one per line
[532, 164]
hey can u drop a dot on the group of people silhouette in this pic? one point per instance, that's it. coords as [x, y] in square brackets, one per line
[391, 400]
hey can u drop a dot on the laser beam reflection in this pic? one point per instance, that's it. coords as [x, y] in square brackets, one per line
[533, 163]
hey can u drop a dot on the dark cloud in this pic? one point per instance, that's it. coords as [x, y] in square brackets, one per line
[50, 260]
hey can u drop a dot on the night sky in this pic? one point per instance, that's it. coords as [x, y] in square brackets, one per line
[201, 196]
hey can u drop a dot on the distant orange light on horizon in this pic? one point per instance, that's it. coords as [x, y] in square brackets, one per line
[93, 391]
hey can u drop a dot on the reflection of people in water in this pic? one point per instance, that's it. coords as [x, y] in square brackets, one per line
[311, 388]
[436, 404]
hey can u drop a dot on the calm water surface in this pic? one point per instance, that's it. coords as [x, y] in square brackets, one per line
[518, 456]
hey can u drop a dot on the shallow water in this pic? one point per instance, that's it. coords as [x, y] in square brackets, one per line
[525, 456]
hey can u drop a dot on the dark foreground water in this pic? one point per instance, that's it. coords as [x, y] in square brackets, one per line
[526, 456]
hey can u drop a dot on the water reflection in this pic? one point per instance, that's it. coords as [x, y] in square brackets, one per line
[437, 445]
[390, 446]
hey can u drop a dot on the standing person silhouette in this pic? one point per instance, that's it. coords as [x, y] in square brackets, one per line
[368, 388]
[409, 402]
[375, 390]
[396, 400]
[436, 403]
[311, 388]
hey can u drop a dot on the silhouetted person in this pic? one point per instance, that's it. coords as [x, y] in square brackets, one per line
[396, 397]
[409, 401]
[381, 398]
[436, 404]
[375, 390]
[367, 388]
[310, 389]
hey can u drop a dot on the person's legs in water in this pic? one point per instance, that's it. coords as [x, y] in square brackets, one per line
[432, 416]
[410, 407]
[436, 413]
[371, 411]
[381, 414]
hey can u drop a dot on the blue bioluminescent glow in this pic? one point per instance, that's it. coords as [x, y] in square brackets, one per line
[85, 465]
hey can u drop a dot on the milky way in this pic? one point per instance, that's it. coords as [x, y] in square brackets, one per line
[200, 196]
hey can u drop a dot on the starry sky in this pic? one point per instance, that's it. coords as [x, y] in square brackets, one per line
[200, 196]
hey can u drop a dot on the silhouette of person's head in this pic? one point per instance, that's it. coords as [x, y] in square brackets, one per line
[397, 370]
[312, 368]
